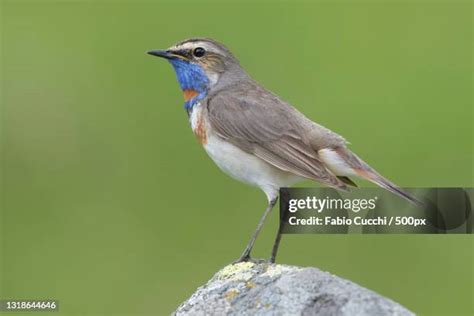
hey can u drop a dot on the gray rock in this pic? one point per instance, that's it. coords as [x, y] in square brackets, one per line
[272, 289]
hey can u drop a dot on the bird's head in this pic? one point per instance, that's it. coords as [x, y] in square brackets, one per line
[200, 65]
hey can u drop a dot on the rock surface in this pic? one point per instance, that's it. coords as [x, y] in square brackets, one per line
[271, 289]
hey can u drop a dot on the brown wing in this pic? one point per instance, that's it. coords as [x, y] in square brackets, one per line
[260, 123]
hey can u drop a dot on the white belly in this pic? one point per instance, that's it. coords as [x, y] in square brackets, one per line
[241, 165]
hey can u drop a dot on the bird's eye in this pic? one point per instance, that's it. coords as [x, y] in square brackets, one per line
[199, 52]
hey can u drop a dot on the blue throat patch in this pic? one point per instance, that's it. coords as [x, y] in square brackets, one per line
[191, 77]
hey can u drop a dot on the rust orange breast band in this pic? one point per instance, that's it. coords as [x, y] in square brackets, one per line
[189, 94]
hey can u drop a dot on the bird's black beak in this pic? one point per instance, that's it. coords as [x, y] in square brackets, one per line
[162, 53]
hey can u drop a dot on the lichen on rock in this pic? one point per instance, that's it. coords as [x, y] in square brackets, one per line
[249, 288]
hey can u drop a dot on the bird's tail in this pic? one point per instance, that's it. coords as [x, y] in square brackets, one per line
[343, 162]
[376, 178]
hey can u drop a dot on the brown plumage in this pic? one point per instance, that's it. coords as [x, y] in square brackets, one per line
[261, 124]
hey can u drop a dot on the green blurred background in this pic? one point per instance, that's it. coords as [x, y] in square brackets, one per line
[110, 205]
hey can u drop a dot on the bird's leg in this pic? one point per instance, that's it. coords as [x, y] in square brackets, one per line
[283, 217]
[276, 244]
[246, 254]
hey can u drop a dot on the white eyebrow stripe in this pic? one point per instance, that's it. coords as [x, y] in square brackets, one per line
[192, 45]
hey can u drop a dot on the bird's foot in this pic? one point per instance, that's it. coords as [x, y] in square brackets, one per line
[243, 258]
[249, 259]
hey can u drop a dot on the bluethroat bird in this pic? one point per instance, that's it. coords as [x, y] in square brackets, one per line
[253, 135]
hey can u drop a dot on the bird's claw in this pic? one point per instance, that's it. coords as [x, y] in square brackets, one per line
[245, 258]
[249, 259]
